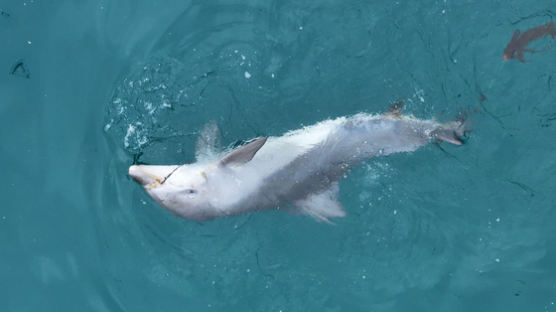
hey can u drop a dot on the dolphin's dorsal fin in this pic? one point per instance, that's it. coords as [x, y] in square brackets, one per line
[244, 153]
[395, 109]
[208, 143]
[323, 205]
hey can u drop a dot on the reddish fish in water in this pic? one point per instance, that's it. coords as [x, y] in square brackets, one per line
[519, 42]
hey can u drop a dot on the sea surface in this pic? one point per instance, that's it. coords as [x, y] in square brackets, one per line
[88, 88]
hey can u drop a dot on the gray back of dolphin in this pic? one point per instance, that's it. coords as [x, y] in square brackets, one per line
[323, 165]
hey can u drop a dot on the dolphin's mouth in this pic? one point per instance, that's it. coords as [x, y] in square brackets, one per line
[142, 176]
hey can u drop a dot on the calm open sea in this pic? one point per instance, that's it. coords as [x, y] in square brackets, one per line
[88, 87]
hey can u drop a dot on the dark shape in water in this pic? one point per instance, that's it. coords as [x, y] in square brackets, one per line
[519, 42]
[19, 69]
[396, 108]
[4, 13]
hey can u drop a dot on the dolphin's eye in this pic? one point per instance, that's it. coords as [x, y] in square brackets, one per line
[190, 192]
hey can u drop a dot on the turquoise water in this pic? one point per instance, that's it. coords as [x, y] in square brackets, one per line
[88, 87]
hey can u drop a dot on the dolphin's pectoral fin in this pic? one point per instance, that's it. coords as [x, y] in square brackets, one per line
[208, 143]
[244, 153]
[323, 205]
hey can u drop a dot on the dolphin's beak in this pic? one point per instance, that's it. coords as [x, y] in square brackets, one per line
[151, 175]
[141, 176]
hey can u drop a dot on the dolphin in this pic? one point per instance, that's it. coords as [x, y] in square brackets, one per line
[298, 170]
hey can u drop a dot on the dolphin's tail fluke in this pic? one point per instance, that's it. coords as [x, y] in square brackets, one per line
[454, 131]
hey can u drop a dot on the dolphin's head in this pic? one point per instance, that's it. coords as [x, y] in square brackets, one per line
[199, 191]
[182, 189]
